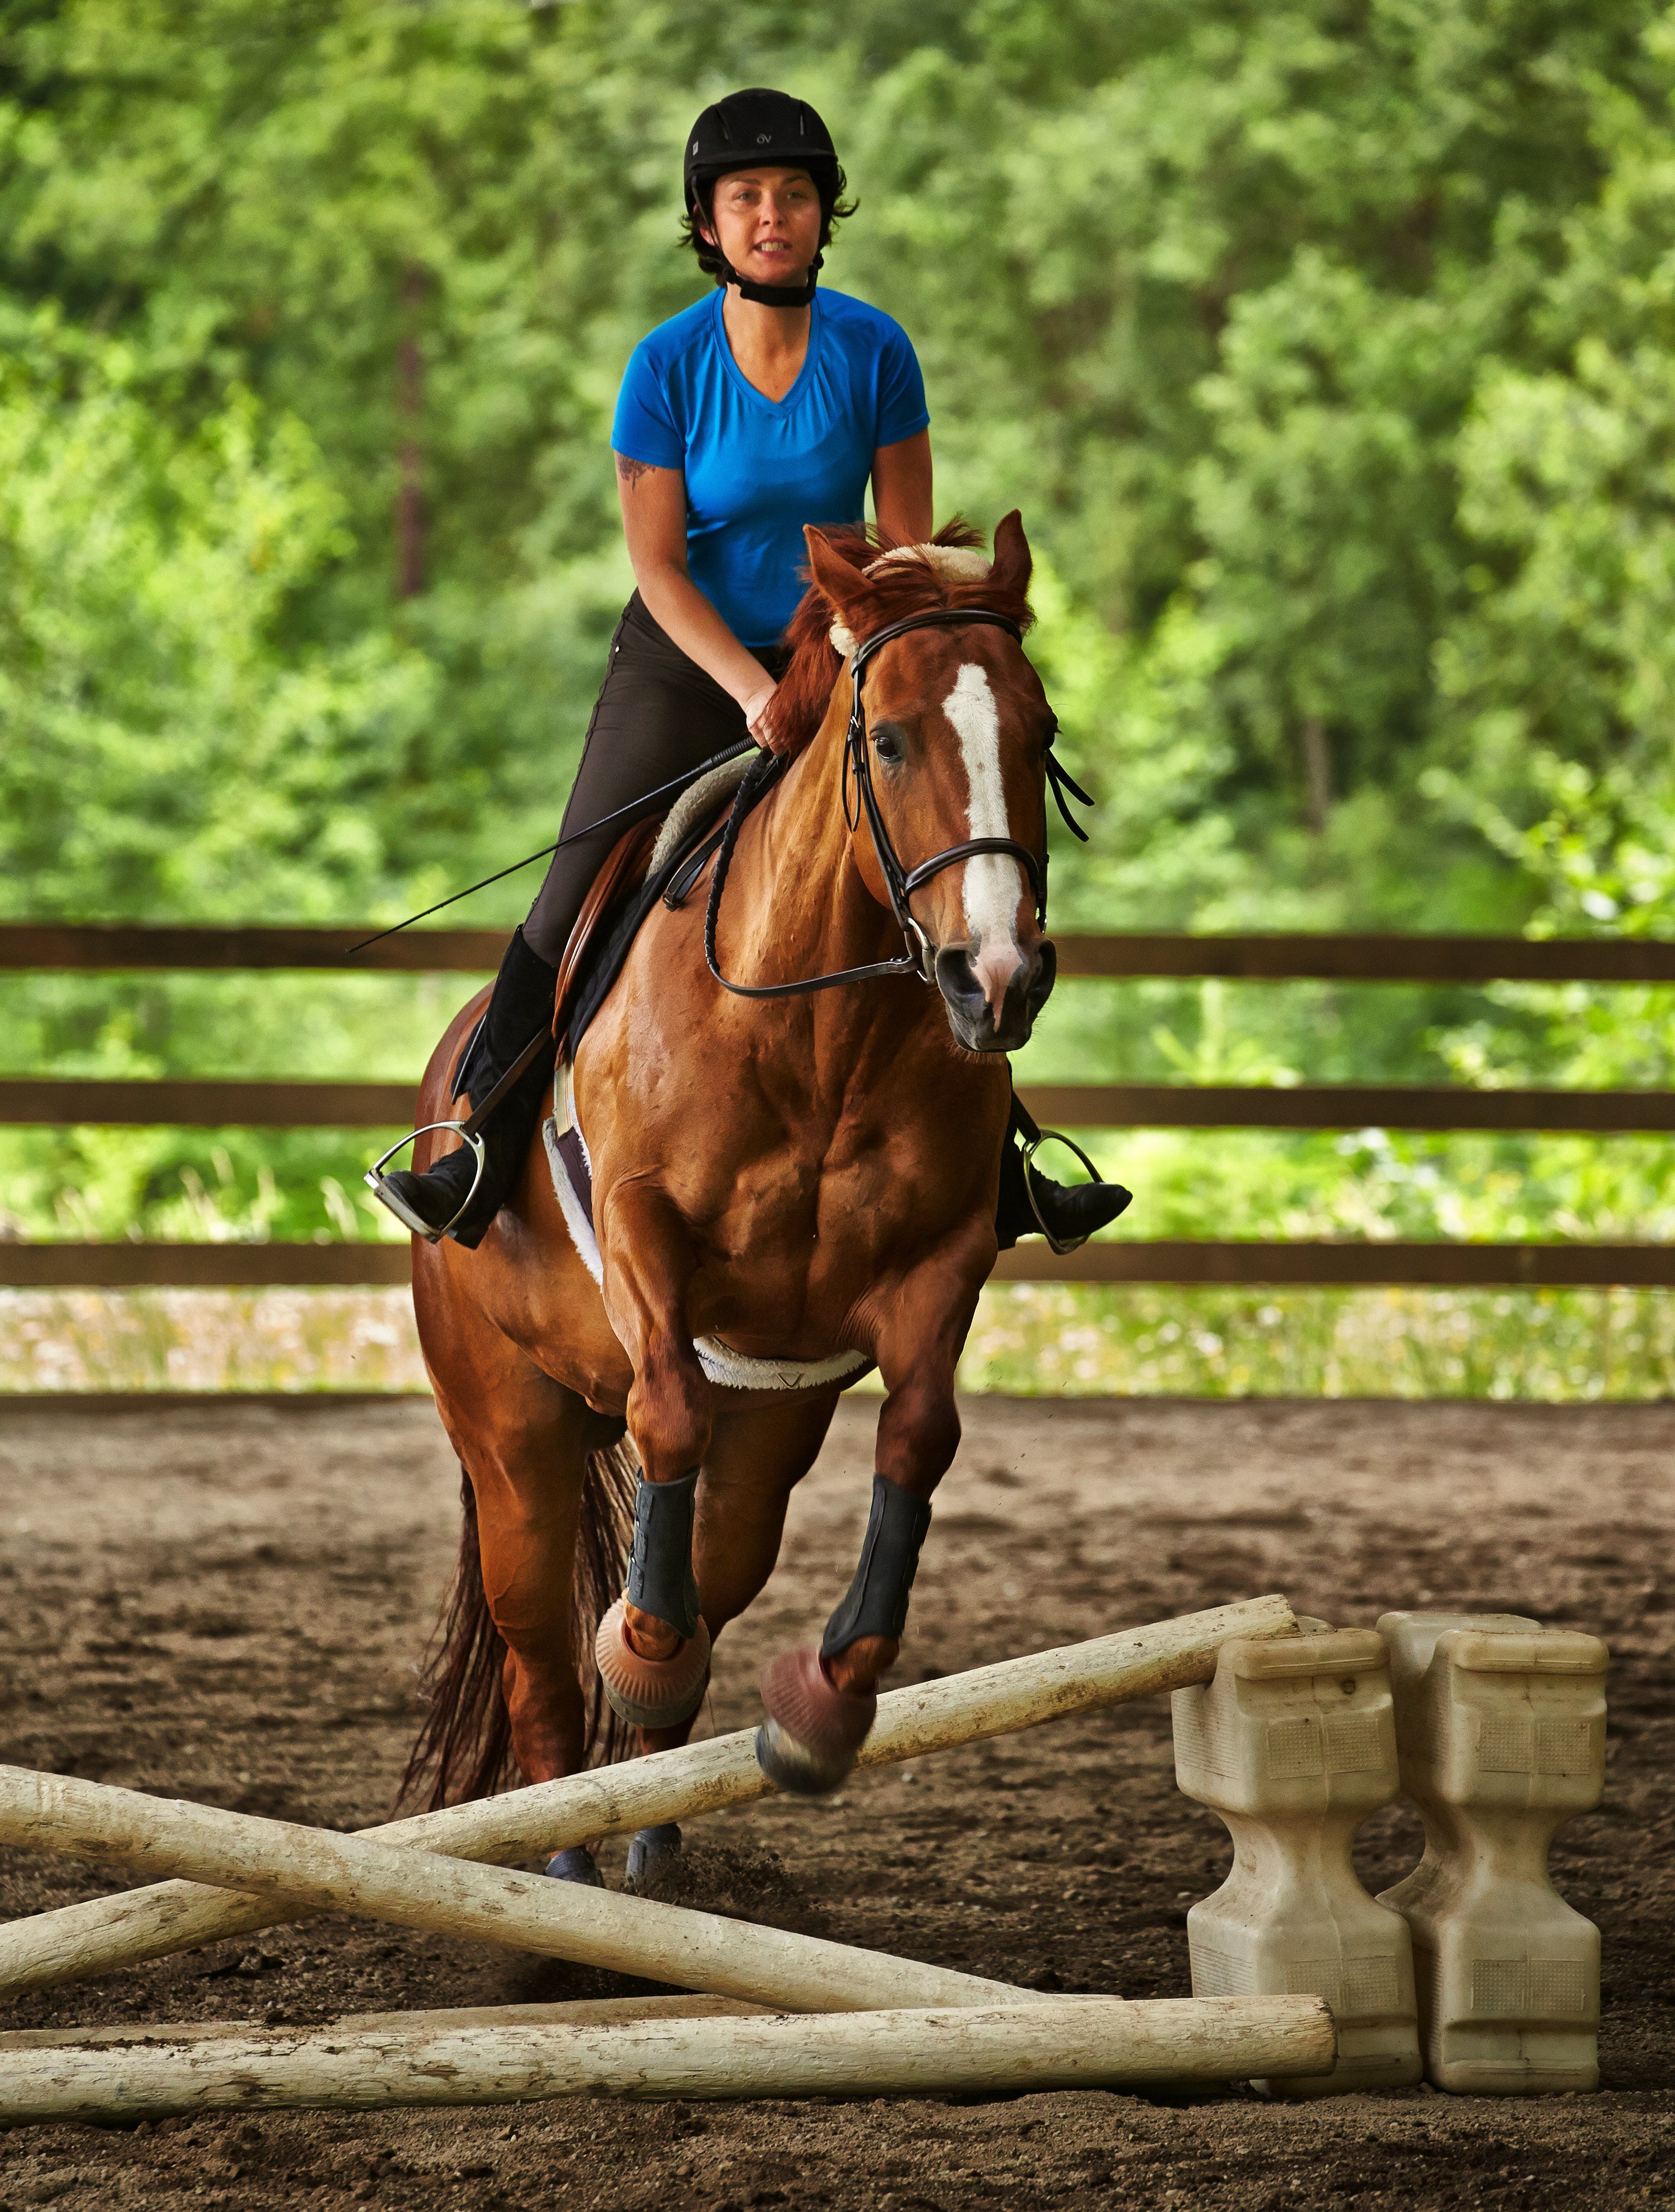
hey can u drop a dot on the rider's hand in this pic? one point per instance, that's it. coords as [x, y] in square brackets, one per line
[758, 716]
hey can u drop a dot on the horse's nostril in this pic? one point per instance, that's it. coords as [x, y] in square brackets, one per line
[1043, 974]
[955, 979]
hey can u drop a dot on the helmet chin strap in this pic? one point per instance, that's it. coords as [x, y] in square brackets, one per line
[776, 296]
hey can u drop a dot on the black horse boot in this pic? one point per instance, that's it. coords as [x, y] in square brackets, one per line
[519, 1012]
[1032, 1205]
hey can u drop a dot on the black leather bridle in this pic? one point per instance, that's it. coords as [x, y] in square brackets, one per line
[900, 883]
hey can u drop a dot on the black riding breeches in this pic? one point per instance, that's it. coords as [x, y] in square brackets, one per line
[658, 713]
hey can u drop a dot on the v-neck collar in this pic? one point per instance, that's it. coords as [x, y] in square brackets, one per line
[804, 375]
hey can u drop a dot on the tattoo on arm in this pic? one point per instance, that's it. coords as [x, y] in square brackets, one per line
[630, 472]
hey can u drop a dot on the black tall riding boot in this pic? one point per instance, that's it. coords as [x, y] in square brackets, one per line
[520, 1009]
[1066, 1214]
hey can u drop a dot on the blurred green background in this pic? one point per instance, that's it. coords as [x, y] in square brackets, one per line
[1328, 352]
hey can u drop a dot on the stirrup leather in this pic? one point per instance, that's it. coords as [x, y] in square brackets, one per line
[1029, 1149]
[375, 1182]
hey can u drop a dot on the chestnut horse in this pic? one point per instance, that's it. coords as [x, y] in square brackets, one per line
[800, 1186]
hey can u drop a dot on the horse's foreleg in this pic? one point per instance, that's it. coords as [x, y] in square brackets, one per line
[654, 1648]
[918, 1434]
[820, 1705]
[756, 1456]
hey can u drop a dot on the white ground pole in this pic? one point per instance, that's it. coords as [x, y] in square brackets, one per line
[450, 1897]
[571, 2012]
[1071, 2043]
[80, 1940]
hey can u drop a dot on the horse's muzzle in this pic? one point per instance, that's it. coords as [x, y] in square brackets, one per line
[970, 1016]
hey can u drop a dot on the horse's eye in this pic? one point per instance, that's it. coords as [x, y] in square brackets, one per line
[890, 743]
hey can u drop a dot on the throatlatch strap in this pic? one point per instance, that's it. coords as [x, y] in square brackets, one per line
[877, 1600]
[660, 1566]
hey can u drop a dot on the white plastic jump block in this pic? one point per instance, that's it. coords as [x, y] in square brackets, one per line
[1500, 1727]
[1293, 1743]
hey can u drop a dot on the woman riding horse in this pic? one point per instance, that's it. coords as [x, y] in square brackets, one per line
[761, 410]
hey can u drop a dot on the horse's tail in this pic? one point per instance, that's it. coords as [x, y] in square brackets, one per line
[464, 1749]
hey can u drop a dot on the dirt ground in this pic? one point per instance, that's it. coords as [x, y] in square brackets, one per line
[226, 1602]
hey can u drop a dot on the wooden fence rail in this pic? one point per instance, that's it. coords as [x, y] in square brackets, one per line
[1375, 958]
[1266, 956]
[1363, 1261]
[98, 1102]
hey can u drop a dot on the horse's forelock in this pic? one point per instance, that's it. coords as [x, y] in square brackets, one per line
[894, 590]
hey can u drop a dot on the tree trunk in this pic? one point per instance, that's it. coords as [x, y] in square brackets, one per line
[409, 408]
[1316, 772]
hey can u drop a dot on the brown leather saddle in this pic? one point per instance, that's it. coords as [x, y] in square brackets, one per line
[621, 896]
[616, 883]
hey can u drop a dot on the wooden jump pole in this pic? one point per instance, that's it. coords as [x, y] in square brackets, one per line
[1072, 2042]
[75, 1941]
[447, 1896]
[569, 2012]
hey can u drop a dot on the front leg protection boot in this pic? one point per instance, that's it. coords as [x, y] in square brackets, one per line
[657, 1692]
[876, 1604]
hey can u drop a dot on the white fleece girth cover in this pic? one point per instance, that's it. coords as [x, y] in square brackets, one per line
[695, 804]
[735, 1371]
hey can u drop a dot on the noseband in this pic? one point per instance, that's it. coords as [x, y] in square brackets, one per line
[900, 883]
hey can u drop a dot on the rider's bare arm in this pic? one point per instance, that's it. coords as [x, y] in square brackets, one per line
[654, 520]
[901, 490]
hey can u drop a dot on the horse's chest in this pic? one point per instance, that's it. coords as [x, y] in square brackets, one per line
[839, 1208]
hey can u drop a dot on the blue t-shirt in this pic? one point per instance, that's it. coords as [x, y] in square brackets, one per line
[757, 469]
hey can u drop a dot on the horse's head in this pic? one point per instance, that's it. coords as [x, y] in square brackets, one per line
[957, 726]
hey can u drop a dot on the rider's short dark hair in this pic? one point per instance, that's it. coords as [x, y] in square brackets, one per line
[833, 209]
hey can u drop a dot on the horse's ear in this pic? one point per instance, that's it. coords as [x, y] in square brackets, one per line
[1013, 561]
[843, 584]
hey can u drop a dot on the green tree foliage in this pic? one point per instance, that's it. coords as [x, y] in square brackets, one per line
[1326, 347]
[170, 748]
[1561, 672]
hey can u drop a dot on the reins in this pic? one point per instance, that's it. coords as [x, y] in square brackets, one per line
[687, 777]
[900, 883]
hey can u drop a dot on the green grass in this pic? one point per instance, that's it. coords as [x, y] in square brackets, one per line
[1144, 1341]
[1029, 1340]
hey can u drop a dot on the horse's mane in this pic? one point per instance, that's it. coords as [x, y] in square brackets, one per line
[898, 587]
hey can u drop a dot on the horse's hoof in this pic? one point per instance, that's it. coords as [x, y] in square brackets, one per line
[651, 1850]
[813, 1731]
[576, 1864]
[650, 1693]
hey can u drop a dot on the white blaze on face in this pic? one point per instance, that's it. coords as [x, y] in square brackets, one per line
[993, 883]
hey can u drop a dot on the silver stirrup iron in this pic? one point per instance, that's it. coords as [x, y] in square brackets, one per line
[466, 1131]
[374, 1179]
[1050, 1137]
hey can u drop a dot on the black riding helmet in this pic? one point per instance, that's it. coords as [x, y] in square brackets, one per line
[761, 128]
